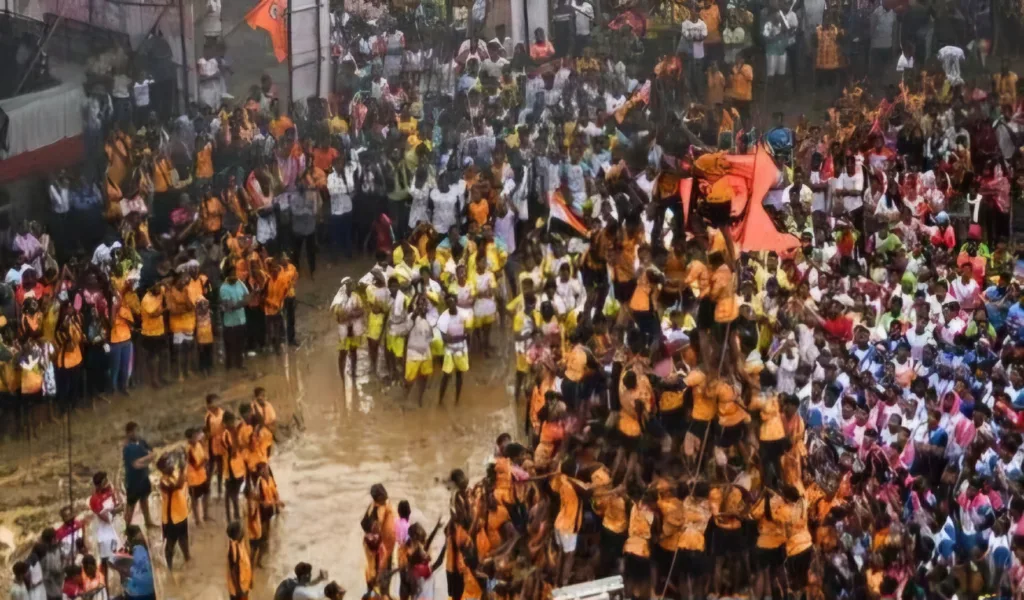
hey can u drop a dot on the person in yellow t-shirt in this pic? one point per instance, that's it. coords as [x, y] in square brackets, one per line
[270, 504]
[211, 211]
[770, 554]
[196, 456]
[239, 564]
[275, 293]
[772, 432]
[568, 521]
[693, 559]
[741, 86]
[288, 269]
[154, 334]
[643, 522]
[68, 361]
[182, 313]
[204, 160]
[799, 544]
[235, 450]
[126, 309]
[173, 508]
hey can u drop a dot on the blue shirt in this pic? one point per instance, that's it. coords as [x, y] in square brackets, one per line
[140, 578]
[232, 294]
[85, 197]
[135, 479]
[1015, 320]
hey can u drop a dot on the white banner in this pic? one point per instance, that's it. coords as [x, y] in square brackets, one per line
[310, 58]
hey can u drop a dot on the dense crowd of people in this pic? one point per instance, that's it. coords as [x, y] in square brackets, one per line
[779, 359]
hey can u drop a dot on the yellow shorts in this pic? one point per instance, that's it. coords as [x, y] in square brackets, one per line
[522, 364]
[396, 345]
[350, 343]
[415, 368]
[437, 347]
[375, 326]
[480, 321]
[455, 361]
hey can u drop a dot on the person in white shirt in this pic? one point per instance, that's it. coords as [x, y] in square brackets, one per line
[60, 194]
[570, 289]
[419, 364]
[584, 12]
[448, 202]
[691, 42]
[452, 325]
[341, 185]
[850, 188]
[140, 93]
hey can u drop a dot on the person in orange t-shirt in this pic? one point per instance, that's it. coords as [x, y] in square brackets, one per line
[182, 312]
[280, 124]
[324, 155]
[68, 361]
[278, 285]
[195, 474]
[478, 209]
[287, 268]
[239, 564]
[204, 160]
[211, 211]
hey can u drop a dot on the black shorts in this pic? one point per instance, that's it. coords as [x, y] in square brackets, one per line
[175, 531]
[674, 421]
[234, 485]
[154, 343]
[199, 491]
[797, 567]
[135, 494]
[663, 558]
[612, 543]
[698, 428]
[637, 569]
[456, 585]
[693, 563]
[629, 443]
[624, 290]
[773, 450]
[726, 542]
[730, 436]
[770, 558]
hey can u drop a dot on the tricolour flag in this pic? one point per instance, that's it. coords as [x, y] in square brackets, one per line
[560, 211]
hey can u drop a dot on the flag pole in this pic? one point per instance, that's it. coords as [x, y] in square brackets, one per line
[291, 83]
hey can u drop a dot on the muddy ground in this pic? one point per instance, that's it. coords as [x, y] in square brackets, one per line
[336, 441]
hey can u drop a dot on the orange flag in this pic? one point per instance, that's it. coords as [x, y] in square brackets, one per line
[270, 15]
[751, 176]
[755, 231]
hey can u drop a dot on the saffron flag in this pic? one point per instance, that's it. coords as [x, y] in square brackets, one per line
[270, 15]
[560, 211]
[751, 176]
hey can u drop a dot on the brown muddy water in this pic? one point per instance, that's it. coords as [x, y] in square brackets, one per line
[337, 441]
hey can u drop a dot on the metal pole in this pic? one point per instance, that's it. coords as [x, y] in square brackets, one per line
[71, 491]
[319, 48]
[291, 83]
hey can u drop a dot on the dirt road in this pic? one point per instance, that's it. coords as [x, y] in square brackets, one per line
[337, 441]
